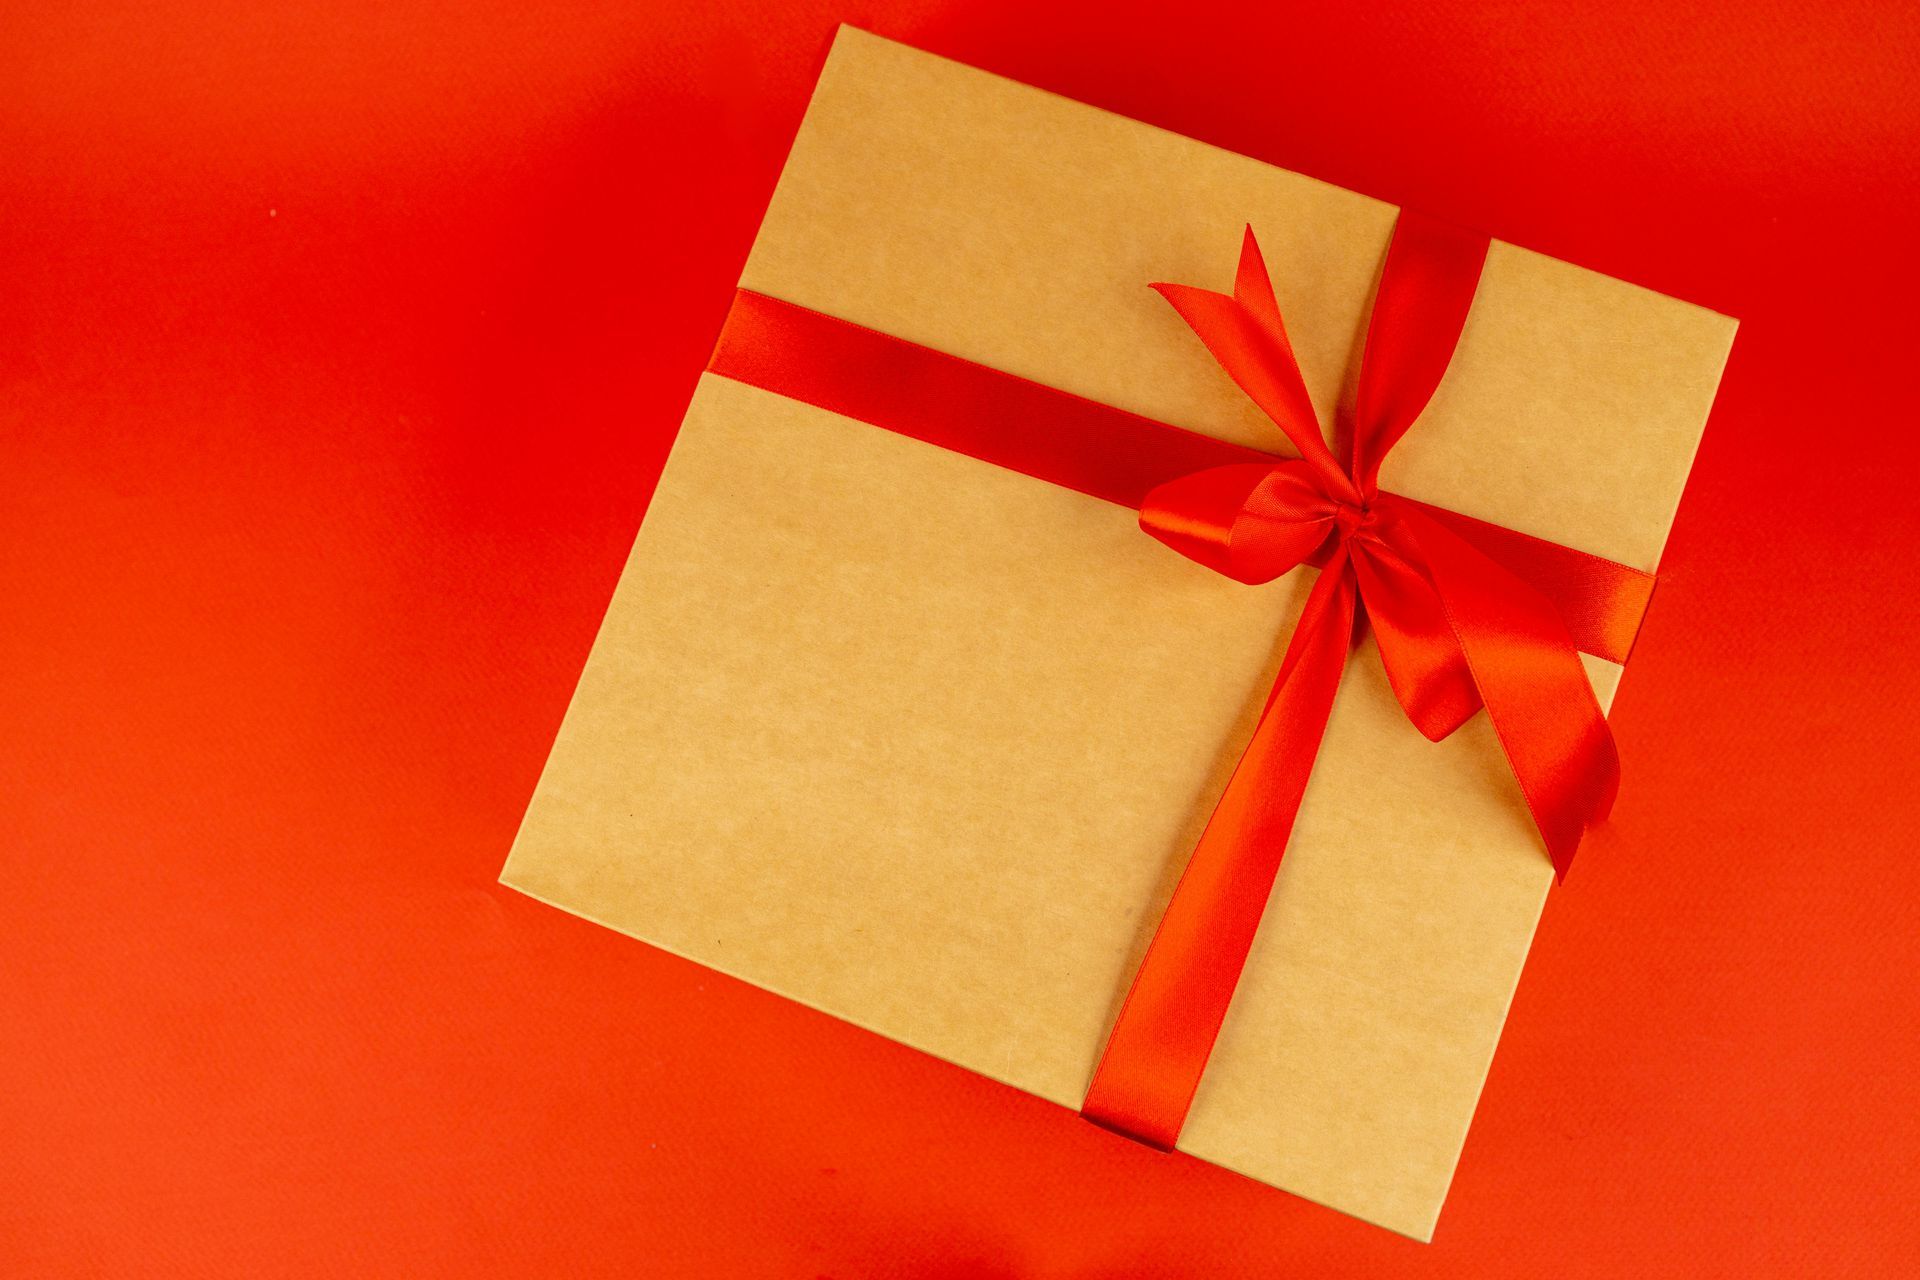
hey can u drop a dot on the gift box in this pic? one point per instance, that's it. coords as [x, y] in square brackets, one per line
[896, 711]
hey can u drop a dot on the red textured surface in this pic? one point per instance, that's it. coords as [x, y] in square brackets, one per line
[337, 355]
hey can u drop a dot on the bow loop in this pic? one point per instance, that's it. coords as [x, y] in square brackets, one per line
[1249, 521]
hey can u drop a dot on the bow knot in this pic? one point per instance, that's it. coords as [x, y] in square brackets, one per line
[1351, 521]
[1457, 628]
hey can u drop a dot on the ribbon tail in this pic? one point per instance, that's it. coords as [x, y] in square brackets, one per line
[1247, 336]
[1160, 1043]
[1536, 691]
[1422, 655]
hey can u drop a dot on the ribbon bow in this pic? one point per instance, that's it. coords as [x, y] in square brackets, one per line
[1467, 614]
[1459, 626]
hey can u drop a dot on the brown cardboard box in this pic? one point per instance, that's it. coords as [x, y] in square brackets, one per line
[924, 743]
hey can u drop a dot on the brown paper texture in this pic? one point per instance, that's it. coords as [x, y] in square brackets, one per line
[924, 743]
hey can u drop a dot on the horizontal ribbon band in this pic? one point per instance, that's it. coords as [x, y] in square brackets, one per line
[1094, 448]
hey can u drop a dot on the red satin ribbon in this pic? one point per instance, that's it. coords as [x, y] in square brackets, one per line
[1466, 614]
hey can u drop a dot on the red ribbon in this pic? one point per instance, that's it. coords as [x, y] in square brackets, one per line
[1466, 614]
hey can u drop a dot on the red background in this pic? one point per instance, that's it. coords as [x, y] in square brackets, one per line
[339, 346]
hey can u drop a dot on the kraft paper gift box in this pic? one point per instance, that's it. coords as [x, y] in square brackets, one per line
[924, 742]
